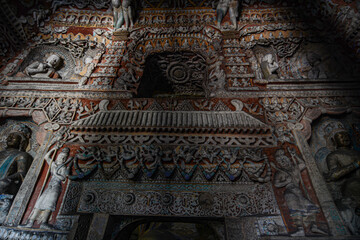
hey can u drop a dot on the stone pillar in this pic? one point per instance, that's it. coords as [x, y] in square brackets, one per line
[331, 213]
[240, 228]
[22, 198]
[233, 229]
[98, 226]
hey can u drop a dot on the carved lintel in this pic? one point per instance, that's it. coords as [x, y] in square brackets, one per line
[121, 35]
[230, 34]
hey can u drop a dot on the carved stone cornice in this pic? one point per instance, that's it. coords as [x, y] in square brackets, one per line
[233, 122]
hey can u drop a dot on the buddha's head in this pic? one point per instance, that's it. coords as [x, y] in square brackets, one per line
[13, 140]
[53, 60]
[342, 139]
[18, 137]
[282, 159]
[268, 58]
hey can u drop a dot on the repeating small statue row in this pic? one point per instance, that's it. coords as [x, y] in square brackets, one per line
[249, 165]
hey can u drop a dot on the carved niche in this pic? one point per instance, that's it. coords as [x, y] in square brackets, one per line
[335, 146]
[40, 54]
[177, 73]
[77, 59]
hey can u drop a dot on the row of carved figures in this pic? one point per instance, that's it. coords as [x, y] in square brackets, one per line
[343, 168]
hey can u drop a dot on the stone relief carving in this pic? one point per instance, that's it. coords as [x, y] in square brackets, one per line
[170, 42]
[244, 141]
[217, 76]
[46, 203]
[15, 162]
[176, 73]
[297, 59]
[123, 13]
[72, 61]
[344, 19]
[117, 13]
[10, 233]
[302, 210]
[80, 4]
[58, 111]
[223, 7]
[339, 166]
[75, 17]
[271, 226]
[269, 66]
[316, 61]
[284, 134]
[235, 72]
[105, 82]
[128, 13]
[238, 66]
[48, 69]
[165, 160]
[47, 62]
[257, 200]
[282, 109]
[176, 4]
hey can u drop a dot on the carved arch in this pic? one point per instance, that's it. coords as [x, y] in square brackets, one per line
[201, 41]
[314, 113]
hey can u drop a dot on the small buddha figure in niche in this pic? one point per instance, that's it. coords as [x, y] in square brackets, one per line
[14, 161]
[344, 180]
[14, 164]
[314, 60]
[269, 67]
[48, 69]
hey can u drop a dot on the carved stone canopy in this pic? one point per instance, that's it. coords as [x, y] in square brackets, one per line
[220, 122]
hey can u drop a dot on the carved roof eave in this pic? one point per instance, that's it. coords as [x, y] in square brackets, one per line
[221, 122]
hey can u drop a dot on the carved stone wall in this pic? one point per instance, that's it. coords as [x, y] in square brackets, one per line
[201, 117]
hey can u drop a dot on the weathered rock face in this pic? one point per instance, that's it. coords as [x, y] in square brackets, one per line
[180, 119]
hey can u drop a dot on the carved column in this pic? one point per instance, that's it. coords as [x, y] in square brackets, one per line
[331, 213]
[20, 203]
[98, 226]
